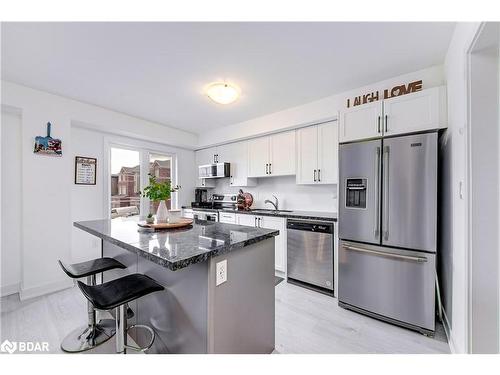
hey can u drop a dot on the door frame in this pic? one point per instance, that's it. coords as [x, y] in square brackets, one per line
[472, 185]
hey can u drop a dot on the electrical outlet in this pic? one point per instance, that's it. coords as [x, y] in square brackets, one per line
[221, 272]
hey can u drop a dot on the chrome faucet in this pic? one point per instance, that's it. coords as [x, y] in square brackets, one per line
[275, 204]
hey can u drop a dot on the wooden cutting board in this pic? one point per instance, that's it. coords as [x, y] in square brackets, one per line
[183, 222]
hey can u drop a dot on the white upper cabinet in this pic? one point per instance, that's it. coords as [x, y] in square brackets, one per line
[422, 110]
[272, 155]
[360, 122]
[317, 154]
[282, 154]
[258, 157]
[328, 145]
[307, 155]
[236, 154]
[206, 156]
[419, 111]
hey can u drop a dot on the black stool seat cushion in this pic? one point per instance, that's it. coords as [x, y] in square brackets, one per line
[114, 293]
[90, 267]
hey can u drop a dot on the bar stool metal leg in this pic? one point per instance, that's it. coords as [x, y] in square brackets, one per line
[91, 335]
[121, 330]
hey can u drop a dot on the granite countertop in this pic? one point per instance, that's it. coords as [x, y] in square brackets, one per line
[178, 248]
[307, 215]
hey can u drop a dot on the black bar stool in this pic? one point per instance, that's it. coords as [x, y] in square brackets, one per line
[94, 333]
[115, 294]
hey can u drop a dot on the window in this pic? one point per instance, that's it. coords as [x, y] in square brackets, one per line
[160, 166]
[129, 175]
[125, 171]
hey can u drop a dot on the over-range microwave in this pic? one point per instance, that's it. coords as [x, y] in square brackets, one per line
[216, 170]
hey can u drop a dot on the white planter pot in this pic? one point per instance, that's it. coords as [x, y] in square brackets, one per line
[162, 213]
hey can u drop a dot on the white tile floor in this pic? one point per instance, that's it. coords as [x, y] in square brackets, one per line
[306, 322]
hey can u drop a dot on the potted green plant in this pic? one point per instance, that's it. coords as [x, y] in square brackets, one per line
[159, 192]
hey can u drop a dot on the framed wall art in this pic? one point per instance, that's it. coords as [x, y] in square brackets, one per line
[85, 170]
[46, 145]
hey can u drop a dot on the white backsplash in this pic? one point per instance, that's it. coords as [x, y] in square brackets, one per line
[291, 196]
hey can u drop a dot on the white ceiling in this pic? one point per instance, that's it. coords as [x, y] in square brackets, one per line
[157, 71]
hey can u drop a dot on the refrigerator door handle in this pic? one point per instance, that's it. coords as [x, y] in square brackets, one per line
[385, 228]
[389, 255]
[377, 193]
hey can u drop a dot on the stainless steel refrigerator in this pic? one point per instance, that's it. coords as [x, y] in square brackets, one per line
[388, 229]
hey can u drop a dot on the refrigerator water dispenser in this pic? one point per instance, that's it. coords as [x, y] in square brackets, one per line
[355, 193]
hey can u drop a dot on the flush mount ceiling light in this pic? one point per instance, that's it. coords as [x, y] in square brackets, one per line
[222, 92]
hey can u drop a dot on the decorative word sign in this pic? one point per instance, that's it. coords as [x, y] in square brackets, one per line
[85, 170]
[388, 93]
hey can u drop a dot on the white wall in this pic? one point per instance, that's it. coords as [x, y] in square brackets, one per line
[317, 111]
[291, 196]
[11, 202]
[455, 250]
[47, 181]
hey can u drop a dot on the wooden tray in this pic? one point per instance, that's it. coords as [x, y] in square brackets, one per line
[183, 222]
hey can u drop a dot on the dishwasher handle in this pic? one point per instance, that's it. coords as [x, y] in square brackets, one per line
[310, 226]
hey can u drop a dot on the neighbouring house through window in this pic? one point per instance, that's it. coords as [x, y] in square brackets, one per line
[128, 176]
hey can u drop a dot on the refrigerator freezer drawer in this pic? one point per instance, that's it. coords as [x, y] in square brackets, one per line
[393, 283]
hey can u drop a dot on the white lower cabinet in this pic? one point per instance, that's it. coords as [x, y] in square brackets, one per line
[277, 223]
[248, 220]
[268, 222]
[227, 217]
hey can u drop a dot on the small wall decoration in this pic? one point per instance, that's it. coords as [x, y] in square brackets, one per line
[48, 145]
[85, 170]
[388, 93]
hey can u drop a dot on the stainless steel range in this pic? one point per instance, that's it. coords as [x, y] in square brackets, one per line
[388, 229]
[225, 201]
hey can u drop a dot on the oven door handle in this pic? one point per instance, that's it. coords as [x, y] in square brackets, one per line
[388, 255]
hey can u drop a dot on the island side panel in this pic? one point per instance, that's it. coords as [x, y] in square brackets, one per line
[179, 313]
[129, 259]
[241, 310]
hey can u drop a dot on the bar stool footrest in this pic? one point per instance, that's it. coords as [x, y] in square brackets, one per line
[149, 345]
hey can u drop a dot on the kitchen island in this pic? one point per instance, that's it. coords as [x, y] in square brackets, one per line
[194, 314]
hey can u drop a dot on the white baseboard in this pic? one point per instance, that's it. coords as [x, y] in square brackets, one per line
[449, 336]
[27, 293]
[7, 290]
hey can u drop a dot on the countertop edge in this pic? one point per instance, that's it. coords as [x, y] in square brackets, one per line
[174, 266]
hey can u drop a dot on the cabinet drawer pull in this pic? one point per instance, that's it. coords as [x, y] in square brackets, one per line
[315, 175]
[270, 172]
[267, 168]
[378, 122]
[386, 123]
[319, 175]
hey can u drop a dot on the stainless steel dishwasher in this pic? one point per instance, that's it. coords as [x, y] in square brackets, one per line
[310, 253]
